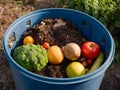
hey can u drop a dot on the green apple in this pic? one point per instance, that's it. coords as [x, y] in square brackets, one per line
[75, 69]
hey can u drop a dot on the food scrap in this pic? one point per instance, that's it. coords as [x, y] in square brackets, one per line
[56, 48]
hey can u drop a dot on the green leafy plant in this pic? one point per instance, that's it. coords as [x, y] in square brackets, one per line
[104, 10]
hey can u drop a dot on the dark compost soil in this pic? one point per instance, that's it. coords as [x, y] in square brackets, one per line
[8, 13]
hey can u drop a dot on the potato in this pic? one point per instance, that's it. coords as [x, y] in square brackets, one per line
[72, 51]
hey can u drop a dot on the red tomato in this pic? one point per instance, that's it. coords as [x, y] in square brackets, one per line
[90, 50]
[89, 61]
[46, 45]
[84, 63]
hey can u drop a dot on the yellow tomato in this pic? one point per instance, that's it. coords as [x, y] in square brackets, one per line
[55, 55]
[28, 40]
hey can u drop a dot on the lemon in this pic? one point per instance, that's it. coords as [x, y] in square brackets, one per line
[75, 69]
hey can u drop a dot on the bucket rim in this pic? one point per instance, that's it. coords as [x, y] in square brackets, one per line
[59, 80]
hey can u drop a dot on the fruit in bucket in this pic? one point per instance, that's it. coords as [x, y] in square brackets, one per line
[28, 40]
[46, 45]
[72, 51]
[90, 50]
[75, 69]
[55, 55]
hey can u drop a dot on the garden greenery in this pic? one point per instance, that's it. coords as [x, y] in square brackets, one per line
[104, 10]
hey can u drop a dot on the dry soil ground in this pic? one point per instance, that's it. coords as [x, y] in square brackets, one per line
[11, 11]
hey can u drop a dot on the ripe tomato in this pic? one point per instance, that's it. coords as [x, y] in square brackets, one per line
[90, 50]
[84, 63]
[89, 61]
[55, 55]
[46, 45]
[28, 39]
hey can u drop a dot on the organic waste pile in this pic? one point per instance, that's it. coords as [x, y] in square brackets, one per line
[55, 48]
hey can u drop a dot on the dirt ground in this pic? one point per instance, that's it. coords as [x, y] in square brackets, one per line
[11, 11]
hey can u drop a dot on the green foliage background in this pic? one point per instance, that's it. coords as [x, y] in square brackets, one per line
[106, 11]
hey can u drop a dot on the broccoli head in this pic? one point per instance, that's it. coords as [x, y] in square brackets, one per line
[31, 57]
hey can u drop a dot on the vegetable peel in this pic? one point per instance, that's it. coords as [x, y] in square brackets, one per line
[97, 63]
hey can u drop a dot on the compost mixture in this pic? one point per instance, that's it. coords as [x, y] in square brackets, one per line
[55, 32]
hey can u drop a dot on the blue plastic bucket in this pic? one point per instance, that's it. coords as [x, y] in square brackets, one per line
[91, 28]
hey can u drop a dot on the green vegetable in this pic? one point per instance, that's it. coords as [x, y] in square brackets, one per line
[106, 11]
[97, 63]
[31, 57]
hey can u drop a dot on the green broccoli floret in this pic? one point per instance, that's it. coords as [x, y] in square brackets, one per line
[31, 57]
